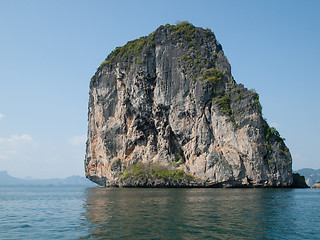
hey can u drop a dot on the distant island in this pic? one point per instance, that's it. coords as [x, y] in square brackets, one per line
[312, 176]
[7, 180]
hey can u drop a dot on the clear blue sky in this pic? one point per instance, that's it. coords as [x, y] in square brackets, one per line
[50, 49]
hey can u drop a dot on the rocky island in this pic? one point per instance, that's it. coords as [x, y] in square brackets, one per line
[165, 111]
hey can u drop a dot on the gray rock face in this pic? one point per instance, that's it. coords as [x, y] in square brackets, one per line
[164, 110]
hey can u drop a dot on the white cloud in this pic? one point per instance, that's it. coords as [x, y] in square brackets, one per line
[78, 140]
[1, 116]
[17, 139]
[22, 155]
[16, 152]
[15, 146]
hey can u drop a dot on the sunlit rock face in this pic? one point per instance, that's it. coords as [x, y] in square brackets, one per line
[164, 110]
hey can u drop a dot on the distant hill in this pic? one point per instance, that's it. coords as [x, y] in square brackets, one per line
[311, 175]
[7, 180]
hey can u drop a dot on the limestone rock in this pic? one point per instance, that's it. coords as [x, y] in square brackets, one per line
[316, 185]
[164, 110]
[299, 181]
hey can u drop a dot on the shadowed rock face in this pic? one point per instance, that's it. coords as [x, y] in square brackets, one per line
[164, 110]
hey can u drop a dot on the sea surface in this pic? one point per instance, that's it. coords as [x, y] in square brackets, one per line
[117, 213]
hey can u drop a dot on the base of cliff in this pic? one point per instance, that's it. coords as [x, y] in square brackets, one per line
[182, 183]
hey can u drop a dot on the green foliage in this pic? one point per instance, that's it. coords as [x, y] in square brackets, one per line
[104, 63]
[253, 91]
[234, 123]
[256, 99]
[271, 161]
[219, 46]
[118, 161]
[219, 93]
[184, 29]
[131, 49]
[140, 62]
[208, 32]
[239, 96]
[194, 77]
[179, 159]
[223, 101]
[143, 172]
[195, 61]
[137, 171]
[284, 151]
[224, 104]
[236, 89]
[271, 131]
[150, 43]
[93, 79]
[257, 102]
[268, 146]
[213, 76]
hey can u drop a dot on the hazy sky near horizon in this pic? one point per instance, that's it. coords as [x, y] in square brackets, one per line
[50, 49]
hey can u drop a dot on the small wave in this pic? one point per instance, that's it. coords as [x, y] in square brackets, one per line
[25, 226]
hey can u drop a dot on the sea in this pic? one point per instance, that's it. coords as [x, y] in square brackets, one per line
[60, 212]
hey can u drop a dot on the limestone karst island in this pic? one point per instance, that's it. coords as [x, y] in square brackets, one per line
[165, 111]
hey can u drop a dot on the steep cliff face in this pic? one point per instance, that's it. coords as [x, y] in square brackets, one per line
[164, 110]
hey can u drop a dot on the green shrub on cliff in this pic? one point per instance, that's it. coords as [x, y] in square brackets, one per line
[223, 101]
[131, 50]
[213, 76]
[224, 104]
[272, 132]
[143, 172]
[137, 171]
[184, 29]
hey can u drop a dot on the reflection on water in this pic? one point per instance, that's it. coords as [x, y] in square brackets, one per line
[113, 213]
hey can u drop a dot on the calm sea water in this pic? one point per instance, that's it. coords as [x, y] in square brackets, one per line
[102, 213]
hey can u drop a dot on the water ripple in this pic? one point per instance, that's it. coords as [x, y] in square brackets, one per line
[109, 213]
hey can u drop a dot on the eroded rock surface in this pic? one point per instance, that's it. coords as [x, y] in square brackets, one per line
[169, 103]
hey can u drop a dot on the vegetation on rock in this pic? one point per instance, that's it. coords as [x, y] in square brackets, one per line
[143, 172]
[185, 30]
[130, 51]
[213, 76]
